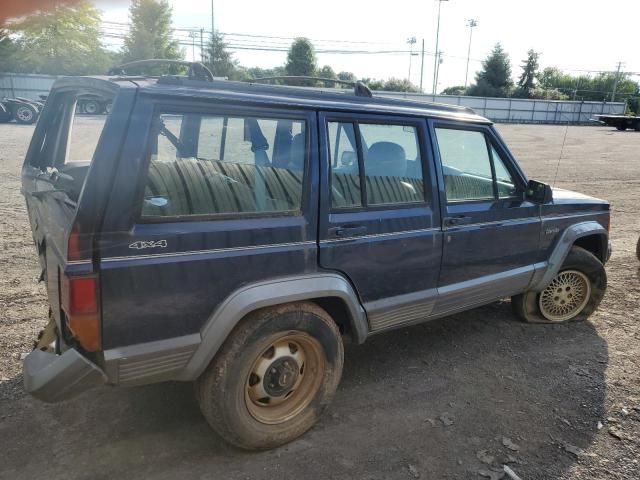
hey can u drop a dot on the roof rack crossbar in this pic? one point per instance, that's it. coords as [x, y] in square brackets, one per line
[197, 70]
[359, 88]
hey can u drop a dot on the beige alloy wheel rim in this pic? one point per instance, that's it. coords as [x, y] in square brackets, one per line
[566, 296]
[284, 378]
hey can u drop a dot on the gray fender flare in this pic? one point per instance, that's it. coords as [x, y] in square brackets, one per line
[561, 250]
[264, 294]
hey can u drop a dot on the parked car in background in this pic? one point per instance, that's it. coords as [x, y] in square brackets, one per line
[234, 235]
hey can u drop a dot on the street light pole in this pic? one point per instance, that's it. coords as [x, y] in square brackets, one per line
[193, 45]
[439, 56]
[471, 23]
[435, 61]
[411, 41]
[422, 67]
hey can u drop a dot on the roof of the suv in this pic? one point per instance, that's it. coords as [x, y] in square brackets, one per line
[294, 97]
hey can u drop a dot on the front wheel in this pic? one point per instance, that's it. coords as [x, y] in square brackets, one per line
[622, 127]
[573, 295]
[273, 377]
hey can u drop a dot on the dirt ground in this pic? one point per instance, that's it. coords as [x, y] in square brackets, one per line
[451, 399]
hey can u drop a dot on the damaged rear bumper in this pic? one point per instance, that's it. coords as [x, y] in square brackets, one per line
[53, 378]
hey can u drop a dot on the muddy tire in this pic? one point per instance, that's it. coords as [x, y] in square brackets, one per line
[274, 376]
[573, 295]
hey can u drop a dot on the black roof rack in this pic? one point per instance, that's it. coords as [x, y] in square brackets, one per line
[197, 71]
[359, 88]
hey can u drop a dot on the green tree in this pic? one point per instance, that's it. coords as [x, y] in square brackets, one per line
[589, 88]
[8, 51]
[327, 72]
[257, 72]
[219, 59]
[63, 40]
[301, 60]
[528, 77]
[391, 85]
[457, 90]
[347, 76]
[494, 80]
[150, 33]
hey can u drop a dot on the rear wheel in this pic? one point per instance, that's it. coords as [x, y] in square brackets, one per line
[274, 376]
[25, 114]
[636, 127]
[573, 295]
[621, 127]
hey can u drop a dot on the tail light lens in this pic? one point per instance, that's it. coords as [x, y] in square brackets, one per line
[78, 245]
[80, 304]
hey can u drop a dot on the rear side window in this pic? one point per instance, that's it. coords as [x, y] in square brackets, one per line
[374, 165]
[83, 137]
[203, 164]
[472, 169]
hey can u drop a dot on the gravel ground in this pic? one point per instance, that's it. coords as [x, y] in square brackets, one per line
[456, 398]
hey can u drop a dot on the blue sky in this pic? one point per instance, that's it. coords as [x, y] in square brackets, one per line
[571, 34]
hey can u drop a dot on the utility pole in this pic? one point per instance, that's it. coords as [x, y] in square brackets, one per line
[212, 24]
[615, 83]
[422, 67]
[193, 35]
[202, 44]
[439, 57]
[435, 62]
[213, 43]
[471, 23]
[411, 41]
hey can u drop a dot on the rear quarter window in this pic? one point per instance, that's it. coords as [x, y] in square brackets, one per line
[212, 165]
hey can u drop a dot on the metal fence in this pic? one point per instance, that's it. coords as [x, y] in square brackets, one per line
[25, 85]
[517, 110]
[514, 110]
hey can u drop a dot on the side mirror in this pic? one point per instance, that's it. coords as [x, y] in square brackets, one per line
[539, 192]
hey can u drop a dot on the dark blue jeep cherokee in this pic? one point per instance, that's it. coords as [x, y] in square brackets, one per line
[234, 234]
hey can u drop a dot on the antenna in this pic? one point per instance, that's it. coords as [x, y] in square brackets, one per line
[564, 141]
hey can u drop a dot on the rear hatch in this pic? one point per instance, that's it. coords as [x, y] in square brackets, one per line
[63, 203]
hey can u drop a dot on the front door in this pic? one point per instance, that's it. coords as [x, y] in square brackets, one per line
[491, 233]
[379, 221]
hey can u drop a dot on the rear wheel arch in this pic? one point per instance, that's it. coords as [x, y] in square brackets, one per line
[331, 292]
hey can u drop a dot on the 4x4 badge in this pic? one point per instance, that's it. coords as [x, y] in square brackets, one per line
[139, 245]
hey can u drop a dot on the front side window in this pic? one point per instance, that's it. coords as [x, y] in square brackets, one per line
[374, 164]
[204, 164]
[472, 170]
[504, 180]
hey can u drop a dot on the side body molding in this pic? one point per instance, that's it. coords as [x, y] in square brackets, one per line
[561, 250]
[265, 294]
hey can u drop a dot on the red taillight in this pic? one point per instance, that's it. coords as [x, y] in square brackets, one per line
[74, 245]
[80, 304]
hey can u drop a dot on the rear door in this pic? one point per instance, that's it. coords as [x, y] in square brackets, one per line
[60, 194]
[379, 217]
[491, 232]
[209, 197]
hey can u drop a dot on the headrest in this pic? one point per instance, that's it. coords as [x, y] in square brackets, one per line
[386, 159]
